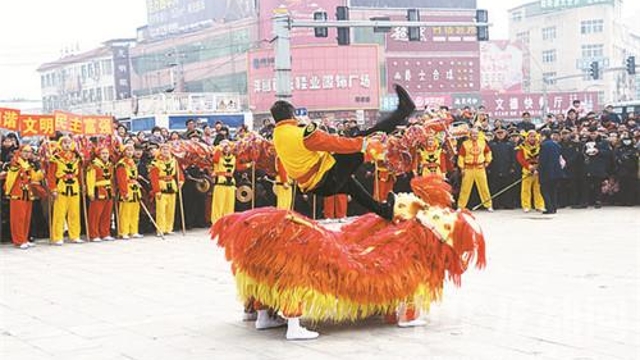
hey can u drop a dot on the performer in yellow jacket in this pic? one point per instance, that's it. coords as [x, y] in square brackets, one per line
[432, 158]
[527, 155]
[166, 180]
[100, 193]
[63, 178]
[224, 191]
[129, 191]
[474, 156]
[21, 176]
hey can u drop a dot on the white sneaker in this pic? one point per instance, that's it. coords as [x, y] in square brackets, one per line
[343, 221]
[490, 209]
[526, 210]
[159, 235]
[125, 237]
[96, 240]
[31, 244]
[109, 238]
[76, 241]
[24, 246]
[57, 243]
[137, 236]
[412, 323]
[170, 233]
[297, 332]
[264, 321]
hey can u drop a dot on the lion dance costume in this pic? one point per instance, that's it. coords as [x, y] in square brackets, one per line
[292, 264]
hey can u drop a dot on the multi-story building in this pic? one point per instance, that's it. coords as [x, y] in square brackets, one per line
[93, 77]
[562, 38]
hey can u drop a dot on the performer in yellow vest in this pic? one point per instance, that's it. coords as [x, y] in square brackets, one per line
[384, 179]
[166, 180]
[130, 194]
[283, 187]
[21, 176]
[224, 191]
[474, 156]
[63, 178]
[432, 158]
[324, 164]
[100, 193]
[527, 155]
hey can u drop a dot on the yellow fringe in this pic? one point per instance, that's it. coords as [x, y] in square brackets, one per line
[317, 306]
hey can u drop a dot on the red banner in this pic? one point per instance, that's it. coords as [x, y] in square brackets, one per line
[511, 106]
[61, 120]
[97, 125]
[9, 119]
[37, 125]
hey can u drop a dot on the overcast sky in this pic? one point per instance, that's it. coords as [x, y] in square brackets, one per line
[35, 31]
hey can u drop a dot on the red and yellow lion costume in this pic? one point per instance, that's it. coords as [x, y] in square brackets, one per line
[291, 263]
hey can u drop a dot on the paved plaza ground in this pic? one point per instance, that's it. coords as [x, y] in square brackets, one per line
[564, 287]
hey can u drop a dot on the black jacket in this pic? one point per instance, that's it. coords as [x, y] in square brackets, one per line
[549, 161]
[600, 164]
[504, 158]
[626, 161]
[572, 154]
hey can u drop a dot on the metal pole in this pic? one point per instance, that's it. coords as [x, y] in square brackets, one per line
[282, 32]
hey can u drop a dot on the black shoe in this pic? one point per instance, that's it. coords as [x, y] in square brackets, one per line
[598, 205]
[398, 117]
[579, 206]
[547, 212]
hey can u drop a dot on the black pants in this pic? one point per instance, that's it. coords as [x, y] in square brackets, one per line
[506, 199]
[340, 179]
[549, 191]
[628, 194]
[592, 190]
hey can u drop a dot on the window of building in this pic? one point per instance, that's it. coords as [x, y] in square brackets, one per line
[516, 16]
[92, 95]
[549, 56]
[548, 78]
[84, 71]
[591, 26]
[90, 70]
[549, 33]
[98, 94]
[43, 81]
[523, 37]
[108, 93]
[107, 67]
[592, 51]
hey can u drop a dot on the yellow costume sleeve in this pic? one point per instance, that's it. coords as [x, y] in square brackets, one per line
[91, 182]
[12, 175]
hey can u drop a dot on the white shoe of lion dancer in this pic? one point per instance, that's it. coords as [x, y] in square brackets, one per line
[264, 321]
[296, 332]
[250, 316]
[412, 323]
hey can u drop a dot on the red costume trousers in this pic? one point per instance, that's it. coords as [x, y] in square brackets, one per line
[20, 213]
[100, 218]
[383, 189]
[335, 206]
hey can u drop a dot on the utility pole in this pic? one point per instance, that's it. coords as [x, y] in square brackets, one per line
[283, 24]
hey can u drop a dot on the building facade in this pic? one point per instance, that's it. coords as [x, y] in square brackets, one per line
[562, 38]
[98, 76]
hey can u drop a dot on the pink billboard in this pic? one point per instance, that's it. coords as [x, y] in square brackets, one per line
[434, 75]
[435, 38]
[326, 77]
[511, 106]
[501, 64]
[300, 10]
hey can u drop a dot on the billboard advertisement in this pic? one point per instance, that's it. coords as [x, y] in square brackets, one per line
[511, 106]
[300, 10]
[569, 4]
[431, 4]
[167, 17]
[435, 38]
[501, 66]
[327, 77]
[433, 74]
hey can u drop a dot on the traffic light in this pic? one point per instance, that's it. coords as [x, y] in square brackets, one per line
[320, 16]
[594, 70]
[482, 30]
[631, 65]
[344, 37]
[413, 31]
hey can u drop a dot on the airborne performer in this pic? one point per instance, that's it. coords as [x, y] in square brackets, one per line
[323, 164]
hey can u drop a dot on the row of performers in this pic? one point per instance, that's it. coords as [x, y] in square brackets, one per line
[157, 179]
